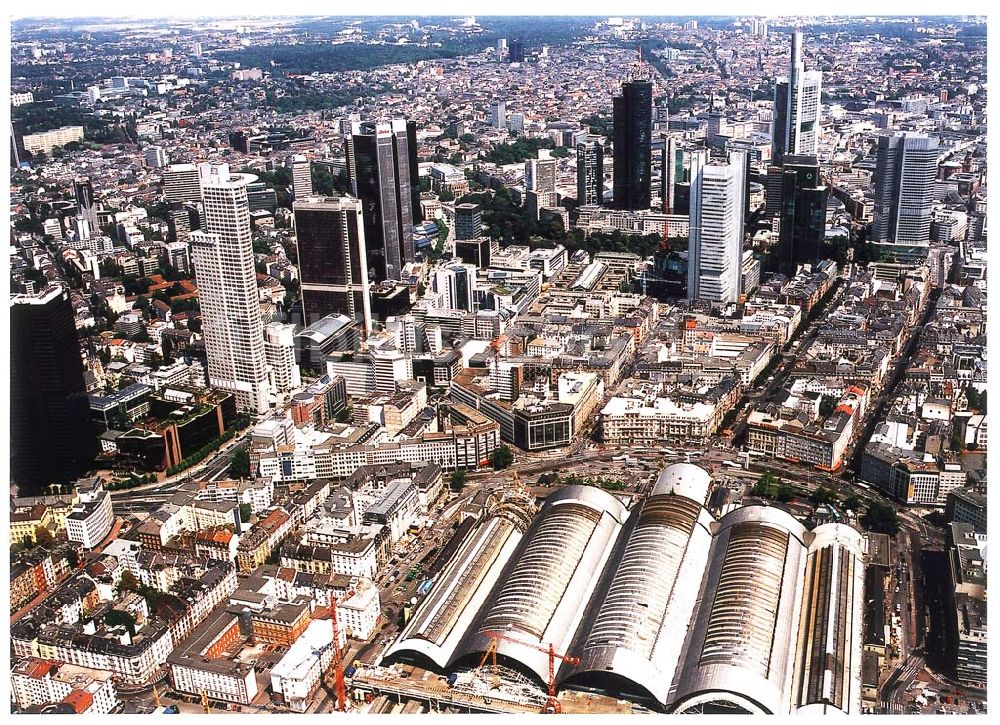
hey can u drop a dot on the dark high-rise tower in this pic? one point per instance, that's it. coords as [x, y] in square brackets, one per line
[52, 438]
[515, 52]
[589, 173]
[802, 214]
[332, 258]
[411, 148]
[378, 162]
[633, 123]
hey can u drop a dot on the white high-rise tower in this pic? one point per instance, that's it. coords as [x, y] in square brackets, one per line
[796, 108]
[715, 250]
[227, 287]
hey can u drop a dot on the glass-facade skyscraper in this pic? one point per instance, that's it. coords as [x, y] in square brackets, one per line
[633, 124]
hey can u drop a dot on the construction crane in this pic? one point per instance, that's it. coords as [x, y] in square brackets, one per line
[491, 653]
[338, 687]
[156, 697]
[552, 704]
[204, 701]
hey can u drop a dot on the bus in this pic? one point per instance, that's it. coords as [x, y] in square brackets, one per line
[731, 464]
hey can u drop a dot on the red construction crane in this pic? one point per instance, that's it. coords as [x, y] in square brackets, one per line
[338, 655]
[552, 704]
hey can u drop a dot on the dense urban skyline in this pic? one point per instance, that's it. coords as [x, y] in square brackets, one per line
[499, 364]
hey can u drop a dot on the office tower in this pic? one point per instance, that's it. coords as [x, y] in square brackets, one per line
[181, 183]
[672, 172]
[378, 162]
[589, 173]
[515, 52]
[86, 207]
[260, 197]
[457, 282]
[239, 141]
[302, 185]
[475, 251]
[498, 115]
[155, 157]
[796, 108]
[802, 215]
[411, 149]
[222, 252]
[333, 271]
[904, 187]
[196, 49]
[540, 182]
[633, 123]
[279, 351]
[468, 221]
[178, 255]
[51, 435]
[501, 47]
[715, 251]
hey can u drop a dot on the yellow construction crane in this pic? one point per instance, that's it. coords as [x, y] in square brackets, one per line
[204, 701]
[156, 697]
[491, 653]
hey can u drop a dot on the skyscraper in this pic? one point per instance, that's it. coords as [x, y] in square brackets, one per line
[904, 188]
[802, 215]
[796, 108]
[589, 173]
[715, 251]
[457, 282]
[378, 162]
[302, 185]
[515, 52]
[498, 114]
[181, 183]
[85, 205]
[332, 258]
[468, 221]
[51, 435]
[633, 123]
[540, 182]
[279, 350]
[411, 149]
[671, 173]
[222, 252]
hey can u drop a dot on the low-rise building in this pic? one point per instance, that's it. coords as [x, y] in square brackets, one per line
[36, 681]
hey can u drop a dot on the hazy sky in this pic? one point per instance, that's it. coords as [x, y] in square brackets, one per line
[215, 8]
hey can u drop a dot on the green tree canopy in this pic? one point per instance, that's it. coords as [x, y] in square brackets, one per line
[458, 479]
[881, 518]
[502, 457]
[239, 464]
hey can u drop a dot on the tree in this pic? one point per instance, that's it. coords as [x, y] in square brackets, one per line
[826, 405]
[239, 464]
[501, 457]
[446, 195]
[345, 415]
[117, 617]
[72, 558]
[458, 480]
[785, 493]
[44, 538]
[881, 518]
[822, 495]
[245, 512]
[851, 503]
[127, 583]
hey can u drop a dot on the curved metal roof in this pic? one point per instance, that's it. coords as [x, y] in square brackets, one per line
[742, 641]
[651, 595]
[546, 587]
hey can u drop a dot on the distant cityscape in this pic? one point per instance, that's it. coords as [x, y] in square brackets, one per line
[584, 365]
